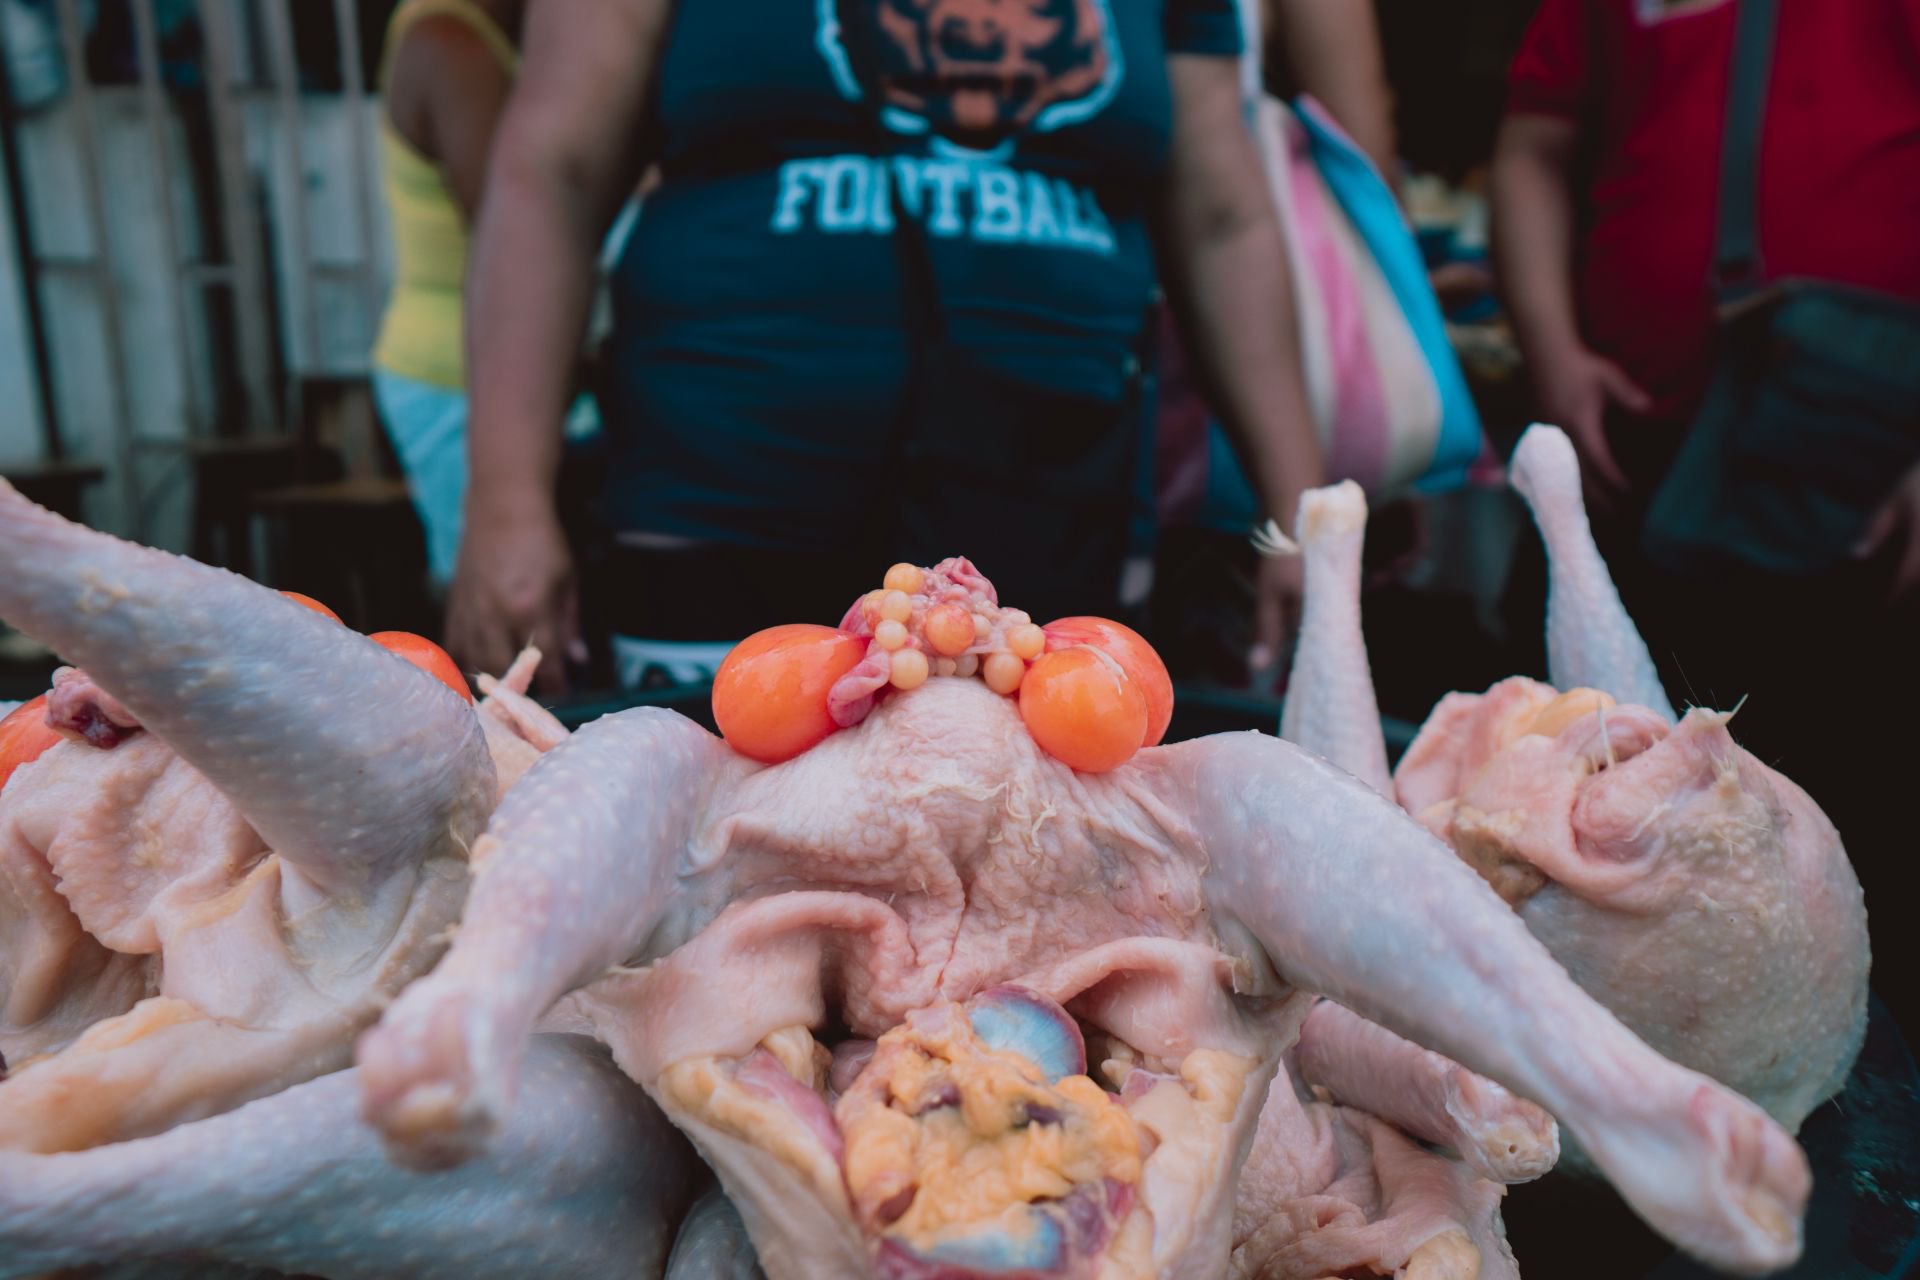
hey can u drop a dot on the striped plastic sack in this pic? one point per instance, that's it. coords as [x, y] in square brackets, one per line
[1388, 395]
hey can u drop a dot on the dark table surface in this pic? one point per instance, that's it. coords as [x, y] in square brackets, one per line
[1863, 1222]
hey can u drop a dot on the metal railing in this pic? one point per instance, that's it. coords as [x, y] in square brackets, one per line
[246, 296]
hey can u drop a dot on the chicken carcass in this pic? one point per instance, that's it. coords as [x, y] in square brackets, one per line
[233, 961]
[268, 842]
[1698, 894]
[932, 1002]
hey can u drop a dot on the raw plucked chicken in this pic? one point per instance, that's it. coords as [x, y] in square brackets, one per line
[933, 1001]
[1698, 894]
[253, 835]
[249, 830]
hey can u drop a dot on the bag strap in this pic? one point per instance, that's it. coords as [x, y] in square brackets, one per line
[1738, 272]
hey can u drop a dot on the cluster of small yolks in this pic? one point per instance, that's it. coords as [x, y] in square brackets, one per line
[1091, 691]
[957, 636]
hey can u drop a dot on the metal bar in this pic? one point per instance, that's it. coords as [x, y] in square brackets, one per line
[241, 218]
[24, 254]
[208, 273]
[346, 22]
[153, 104]
[67, 265]
[106, 295]
[286, 76]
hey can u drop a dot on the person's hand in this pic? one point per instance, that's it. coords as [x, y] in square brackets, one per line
[1575, 388]
[514, 585]
[1457, 283]
[1898, 522]
[1279, 584]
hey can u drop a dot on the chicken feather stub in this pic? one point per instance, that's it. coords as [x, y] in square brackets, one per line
[934, 1003]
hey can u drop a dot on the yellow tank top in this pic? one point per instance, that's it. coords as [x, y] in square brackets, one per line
[420, 333]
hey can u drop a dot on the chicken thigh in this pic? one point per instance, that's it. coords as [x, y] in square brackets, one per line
[933, 1003]
[1695, 892]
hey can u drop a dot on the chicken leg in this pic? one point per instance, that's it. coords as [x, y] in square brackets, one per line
[250, 688]
[585, 858]
[1368, 1068]
[1331, 711]
[1330, 708]
[1591, 642]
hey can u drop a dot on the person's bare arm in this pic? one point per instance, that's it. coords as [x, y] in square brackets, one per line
[1231, 285]
[1533, 212]
[567, 153]
[1533, 208]
[1333, 50]
[445, 93]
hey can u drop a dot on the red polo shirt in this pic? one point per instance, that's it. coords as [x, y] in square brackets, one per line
[1647, 81]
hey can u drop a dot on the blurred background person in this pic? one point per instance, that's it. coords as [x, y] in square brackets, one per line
[793, 393]
[1607, 184]
[1617, 108]
[1330, 50]
[1205, 608]
[447, 71]
[1209, 618]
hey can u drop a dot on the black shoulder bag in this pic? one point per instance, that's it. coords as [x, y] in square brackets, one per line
[1813, 414]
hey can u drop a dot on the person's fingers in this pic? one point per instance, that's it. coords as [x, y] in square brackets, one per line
[552, 635]
[569, 641]
[467, 639]
[1906, 579]
[1277, 603]
[1269, 632]
[575, 646]
[1621, 389]
[492, 646]
[1597, 463]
